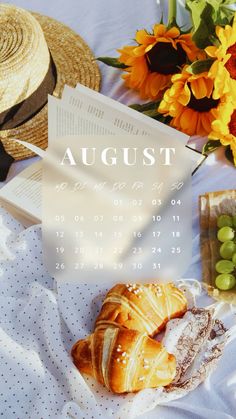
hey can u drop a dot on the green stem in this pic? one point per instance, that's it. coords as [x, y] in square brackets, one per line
[172, 13]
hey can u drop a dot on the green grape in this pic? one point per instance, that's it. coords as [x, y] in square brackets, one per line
[224, 266]
[225, 281]
[227, 249]
[225, 234]
[224, 220]
[234, 220]
[234, 259]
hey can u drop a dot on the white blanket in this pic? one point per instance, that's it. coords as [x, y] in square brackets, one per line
[38, 326]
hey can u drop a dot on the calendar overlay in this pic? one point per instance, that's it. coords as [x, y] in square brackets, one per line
[116, 208]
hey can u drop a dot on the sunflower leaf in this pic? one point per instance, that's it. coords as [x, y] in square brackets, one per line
[200, 66]
[211, 146]
[150, 109]
[112, 62]
[145, 107]
[224, 16]
[205, 26]
[161, 118]
[205, 15]
[226, 2]
[152, 113]
[229, 154]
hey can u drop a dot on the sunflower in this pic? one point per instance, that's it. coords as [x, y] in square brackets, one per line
[224, 126]
[158, 56]
[190, 103]
[223, 70]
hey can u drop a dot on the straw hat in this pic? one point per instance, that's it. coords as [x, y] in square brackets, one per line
[38, 55]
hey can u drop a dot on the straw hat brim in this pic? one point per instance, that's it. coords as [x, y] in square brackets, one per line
[75, 63]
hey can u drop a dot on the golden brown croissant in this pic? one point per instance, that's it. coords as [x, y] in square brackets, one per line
[124, 360]
[146, 308]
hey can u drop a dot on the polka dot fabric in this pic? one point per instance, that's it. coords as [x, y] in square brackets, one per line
[39, 323]
[38, 378]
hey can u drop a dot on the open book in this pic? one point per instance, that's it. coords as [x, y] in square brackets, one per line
[81, 111]
[22, 195]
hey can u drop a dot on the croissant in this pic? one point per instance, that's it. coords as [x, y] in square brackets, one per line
[146, 308]
[124, 360]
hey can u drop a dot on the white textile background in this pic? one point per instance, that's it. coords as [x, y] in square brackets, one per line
[37, 327]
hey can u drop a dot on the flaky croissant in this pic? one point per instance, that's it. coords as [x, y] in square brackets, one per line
[146, 308]
[124, 360]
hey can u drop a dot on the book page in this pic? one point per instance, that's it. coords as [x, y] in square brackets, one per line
[114, 114]
[24, 192]
[118, 118]
[64, 120]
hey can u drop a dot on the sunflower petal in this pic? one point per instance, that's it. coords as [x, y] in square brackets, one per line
[218, 128]
[159, 29]
[163, 108]
[142, 36]
[176, 109]
[173, 32]
[194, 119]
[211, 51]
[139, 51]
[199, 88]
[185, 120]
[206, 119]
[158, 83]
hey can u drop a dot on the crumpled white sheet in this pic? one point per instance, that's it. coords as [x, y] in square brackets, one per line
[38, 326]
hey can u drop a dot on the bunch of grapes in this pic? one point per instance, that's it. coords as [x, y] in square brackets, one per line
[226, 267]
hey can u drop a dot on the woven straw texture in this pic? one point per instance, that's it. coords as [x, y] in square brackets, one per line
[22, 42]
[74, 63]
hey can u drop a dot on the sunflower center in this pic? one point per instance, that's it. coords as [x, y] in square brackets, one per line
[231, 63]
[232, 124]
[202, 105]
[163, 58]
